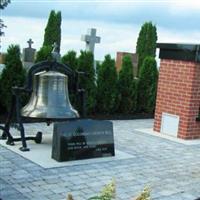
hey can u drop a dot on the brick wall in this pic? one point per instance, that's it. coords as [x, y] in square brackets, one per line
[179, 94]
[119, 58]
[2, 58]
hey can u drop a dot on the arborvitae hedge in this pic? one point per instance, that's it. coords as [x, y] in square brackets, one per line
[58, 32]
[125, 85]
[134, 94]
[146, 42]
[85, 64]
[147, 85]
[107, 92]
[44, 54]
[52, 35]
[53, 29]
[12, 75]
[71, 61]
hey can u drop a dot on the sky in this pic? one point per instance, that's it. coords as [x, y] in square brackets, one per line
[117, 22]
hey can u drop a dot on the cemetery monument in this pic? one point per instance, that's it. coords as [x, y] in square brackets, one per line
[28, 55]
[91, 39]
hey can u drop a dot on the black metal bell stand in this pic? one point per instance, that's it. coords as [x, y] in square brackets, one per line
[16, 103]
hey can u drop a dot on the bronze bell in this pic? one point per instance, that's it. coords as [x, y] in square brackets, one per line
[50, 98]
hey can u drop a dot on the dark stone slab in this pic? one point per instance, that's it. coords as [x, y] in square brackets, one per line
[186, 52]
[82, 139]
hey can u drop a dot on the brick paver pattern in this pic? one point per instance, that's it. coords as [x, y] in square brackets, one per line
[172, 170]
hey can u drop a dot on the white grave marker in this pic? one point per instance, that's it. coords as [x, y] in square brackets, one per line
[90, 39]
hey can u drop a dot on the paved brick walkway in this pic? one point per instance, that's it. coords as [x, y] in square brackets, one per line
[172, 170]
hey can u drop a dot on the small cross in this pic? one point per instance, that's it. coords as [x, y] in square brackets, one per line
[91, 39]
[30, 42]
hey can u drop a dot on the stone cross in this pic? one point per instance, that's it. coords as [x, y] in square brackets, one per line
[90, 39]
[30, 42]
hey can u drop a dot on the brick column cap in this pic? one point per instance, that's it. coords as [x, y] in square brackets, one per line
[178, 51]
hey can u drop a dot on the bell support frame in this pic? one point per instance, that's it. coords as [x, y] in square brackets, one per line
[16, 102]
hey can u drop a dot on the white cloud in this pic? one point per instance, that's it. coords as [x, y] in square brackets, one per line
[20, 29]
[185, 5]
[114, 37]
[176, 36]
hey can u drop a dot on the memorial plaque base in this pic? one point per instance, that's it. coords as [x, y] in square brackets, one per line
[82, 139]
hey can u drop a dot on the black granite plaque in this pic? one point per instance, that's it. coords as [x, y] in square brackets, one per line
[82, 139]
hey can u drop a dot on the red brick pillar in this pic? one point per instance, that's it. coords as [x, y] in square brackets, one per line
[178, 94]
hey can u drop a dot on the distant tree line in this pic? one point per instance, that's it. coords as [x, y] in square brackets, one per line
[116, 93]
[107, 92]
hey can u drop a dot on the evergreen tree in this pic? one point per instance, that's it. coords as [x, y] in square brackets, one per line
[85, 64]
[44, 54]
[107, 92]
[125, 85]
[134, 94]
[70, 60]
[147, 85]
[12, 75]
[53, 29]
[146, 43]
[52, 35]
[58, 33]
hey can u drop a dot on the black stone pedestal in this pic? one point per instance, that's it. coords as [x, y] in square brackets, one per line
[82, 139]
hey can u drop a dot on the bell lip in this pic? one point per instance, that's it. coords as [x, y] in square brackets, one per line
[50, 73]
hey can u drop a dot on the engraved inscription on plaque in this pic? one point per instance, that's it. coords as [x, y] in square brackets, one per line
[82, 139]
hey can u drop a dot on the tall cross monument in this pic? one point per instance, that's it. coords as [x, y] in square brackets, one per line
[90, 39]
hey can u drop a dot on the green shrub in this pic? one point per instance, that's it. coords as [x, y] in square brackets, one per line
[146, 43]
[85, 64]
[107, 92]
[44, 54]
[126, 85]
[70, 197]
[134, 94]
[12, 75]
[109, 193]
[71, 61]
[147, 86]
[53, 29]
[144, 195]
[52, 34]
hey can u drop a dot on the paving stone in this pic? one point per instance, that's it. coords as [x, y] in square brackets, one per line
[170, 169]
